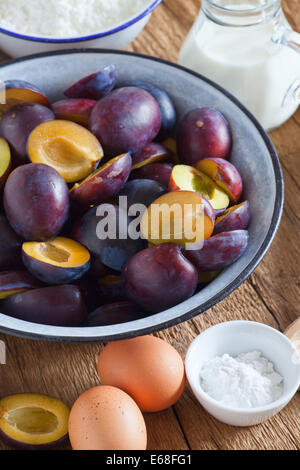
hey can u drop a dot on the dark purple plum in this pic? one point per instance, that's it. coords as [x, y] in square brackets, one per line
[36, 201]
[111, 288]
[153, 152]
[10, 246]
[159, 277]
[125, 120]
[142, 192]
[115, 313]
[165, 103]
[57, 306]
[235, 218]
[159, 172]
[74, 109]
[219, 251]
[113, 251]
[203, 133]
[94, 86]
[18, 122]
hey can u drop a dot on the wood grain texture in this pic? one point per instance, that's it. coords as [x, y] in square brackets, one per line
[271, 295]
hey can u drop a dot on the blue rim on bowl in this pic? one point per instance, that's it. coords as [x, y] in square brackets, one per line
[141, 326]
[90, 37]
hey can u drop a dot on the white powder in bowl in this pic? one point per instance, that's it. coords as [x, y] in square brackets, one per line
[67, 18]
[246, 381]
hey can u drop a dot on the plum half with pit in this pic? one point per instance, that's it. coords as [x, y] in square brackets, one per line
[67, 147]
[36, 201]
[159, 277]
[94, 86]
[126, 120]
[219, 251]
[17, 124]
[58, 261]
[55, 305]
[203, 133]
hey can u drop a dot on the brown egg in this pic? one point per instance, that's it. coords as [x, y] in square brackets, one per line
[147, 368]
[106, 418]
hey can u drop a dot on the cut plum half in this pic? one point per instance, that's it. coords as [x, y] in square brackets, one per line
[151, 153]
[32, 421]
[15, 282]
[66, 146]
[224, 174]
[235, 218]
[187, 178]
[19, 91]
[5, 161]
[104, 183]
[58, 261]
[77, 110]
[182, 217]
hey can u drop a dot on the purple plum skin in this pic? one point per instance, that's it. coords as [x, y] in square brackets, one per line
[165, 103]
[236, 220]
[111, 290]
[112, 253]
[219, 251]
[94, 86]
[125, 120]
[13, 281]
[56, 306]
[142, 192]
[159, 277]
[36, 201]
[10, 246]
[115, 313]
[159, 172]
[151, 151]
[17, 124]
[203, 133]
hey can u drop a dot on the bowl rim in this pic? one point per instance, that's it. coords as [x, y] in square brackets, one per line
[280, 402]
[44, 39]
[56, 333]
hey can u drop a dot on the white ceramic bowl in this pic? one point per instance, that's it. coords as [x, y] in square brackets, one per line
[234, 338]
[18, 45]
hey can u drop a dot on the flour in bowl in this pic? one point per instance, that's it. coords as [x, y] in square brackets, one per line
[246, 381]
[67, 18]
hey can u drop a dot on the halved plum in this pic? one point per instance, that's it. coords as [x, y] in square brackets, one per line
[126, 120]
[224, 174]
[115, 313]
[234, 218]
[55, 305]
[94, 86]
[104, 183]
[32, 421]
[151, 153]
[187, 178]
[159, 277]
[165, 103]
[103, 230]
[219, 251]
[5, 161]
[159, 172]
[36, 201]
[10, 246]
[17, 124]
[111, 288]
[19, 91]
[66, 146]
[182, 217]
[74, 109]
[203, 133]
[15, 282]
[59, 261]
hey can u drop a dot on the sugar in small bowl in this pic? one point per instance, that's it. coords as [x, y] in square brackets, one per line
[243, 372]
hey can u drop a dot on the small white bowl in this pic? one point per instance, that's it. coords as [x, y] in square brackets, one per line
[18, 45]
[238, 337]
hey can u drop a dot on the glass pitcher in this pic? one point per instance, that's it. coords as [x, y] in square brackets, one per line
[249, 48]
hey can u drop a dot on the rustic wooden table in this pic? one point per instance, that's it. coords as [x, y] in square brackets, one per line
[270, 295]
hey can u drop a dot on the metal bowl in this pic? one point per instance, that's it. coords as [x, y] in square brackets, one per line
[253, 154]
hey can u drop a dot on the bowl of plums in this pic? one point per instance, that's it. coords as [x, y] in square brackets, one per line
[135, 195]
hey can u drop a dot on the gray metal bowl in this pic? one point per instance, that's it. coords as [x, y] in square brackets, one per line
[253, 155]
